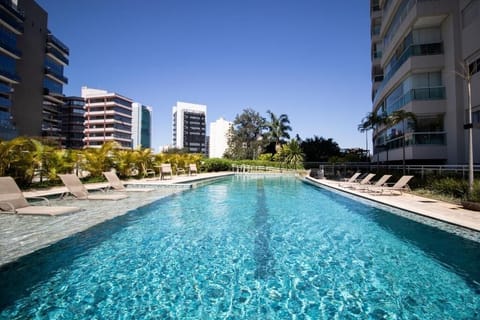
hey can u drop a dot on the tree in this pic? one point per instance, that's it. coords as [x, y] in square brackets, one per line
[292, 153]
[246, 135]
[278, 128]
[99, 159]
[371, 121]
[319, 149]
[401, 116]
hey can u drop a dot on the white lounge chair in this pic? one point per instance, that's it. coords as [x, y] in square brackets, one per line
[165, 168]
[352, 179]
[116, 184]
[364, 181]
[192, 168]
[396, 189]
[12, 200]
[380, 183]
[78, 190]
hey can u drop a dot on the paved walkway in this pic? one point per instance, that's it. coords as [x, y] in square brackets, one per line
[439, 210]
[22, 234]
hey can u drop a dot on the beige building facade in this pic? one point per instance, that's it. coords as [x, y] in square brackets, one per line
[424, 52]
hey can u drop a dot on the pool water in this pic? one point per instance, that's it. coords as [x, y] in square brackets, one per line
[249, 248]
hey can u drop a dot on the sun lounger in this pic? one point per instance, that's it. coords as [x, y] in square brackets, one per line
[192, 168]
[380, 183]
[396, 189]
[78, 190]
[165, 168]
[363, 182]
[352, 179]
[116, 184]
[12, 200]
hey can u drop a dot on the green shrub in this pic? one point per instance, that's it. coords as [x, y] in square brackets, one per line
[215, 165]
[448, 186]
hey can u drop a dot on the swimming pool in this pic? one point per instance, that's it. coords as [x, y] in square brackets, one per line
[252, 248]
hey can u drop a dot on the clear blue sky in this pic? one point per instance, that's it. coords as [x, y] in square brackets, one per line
[309, 59]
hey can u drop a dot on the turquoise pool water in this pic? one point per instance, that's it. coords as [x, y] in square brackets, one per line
[249, 248]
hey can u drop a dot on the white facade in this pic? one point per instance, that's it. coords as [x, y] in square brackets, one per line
[188, 126]
[137, 119]
[219, 131]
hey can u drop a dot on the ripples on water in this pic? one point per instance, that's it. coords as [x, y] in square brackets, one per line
[265, 248]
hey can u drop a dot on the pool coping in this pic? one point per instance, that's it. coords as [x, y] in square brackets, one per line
[434, 209]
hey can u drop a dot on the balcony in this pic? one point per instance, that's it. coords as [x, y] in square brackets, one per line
[59, 44]
[55, 75]
[57, 55]
[437, 93]
[10, 7]
[9, 49]
[9, 77]
[11, 23]
[411, 51]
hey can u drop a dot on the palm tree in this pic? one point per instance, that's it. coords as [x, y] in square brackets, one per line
[99, 159]
[371, 121]
[401, 116]
[278, 128]
[292, 153]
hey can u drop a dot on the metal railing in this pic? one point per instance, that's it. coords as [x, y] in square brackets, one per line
[345, 169]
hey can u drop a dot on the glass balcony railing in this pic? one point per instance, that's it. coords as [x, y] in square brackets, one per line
[57, 54]
[13, 9]
[412, 139]
[413, 50]
[13, 23]
[9, 75]
[58, 43]
[56, 75]
[7, 45]
[437, 93]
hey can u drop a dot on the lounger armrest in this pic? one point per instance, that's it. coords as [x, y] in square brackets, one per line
[8, 204]
[40, 198]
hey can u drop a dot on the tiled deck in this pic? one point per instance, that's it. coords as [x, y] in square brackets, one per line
[23, 234]
[438, 210]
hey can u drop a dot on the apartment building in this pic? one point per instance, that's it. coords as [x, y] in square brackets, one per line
[424, 53]
[189, 127]
[219, 131]
[141, 126]
[32, 62]
[72, 118]
[108, 117]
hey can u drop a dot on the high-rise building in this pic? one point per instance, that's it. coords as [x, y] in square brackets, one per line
[31, 72]
[72, 117]
[189, 127]
[219, 131]
[108, 117]
[141, 126]
[418, 50]
[11, 27]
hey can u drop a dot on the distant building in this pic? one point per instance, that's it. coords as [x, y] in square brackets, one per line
[219, 131]
[108, 117]
[189, 127]
[141, 126]
[416, 49]
[72, 117]
[32, 62]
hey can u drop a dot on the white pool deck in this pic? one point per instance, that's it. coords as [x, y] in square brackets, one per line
[23, 234]
[435, 209]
